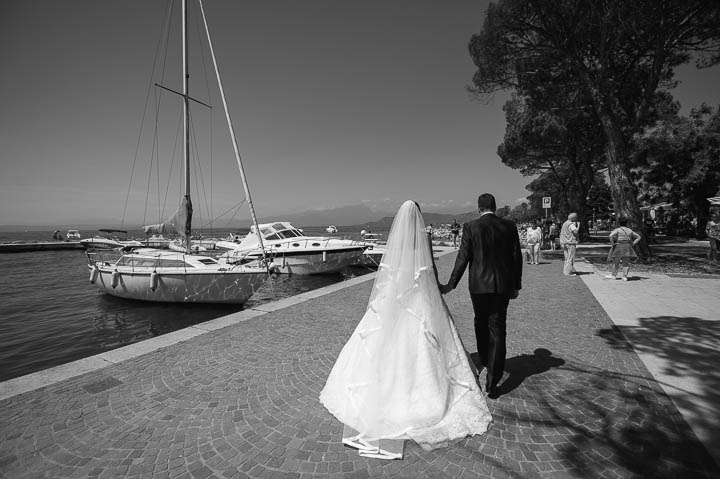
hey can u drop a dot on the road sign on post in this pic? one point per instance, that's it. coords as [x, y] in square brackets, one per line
[547, 201]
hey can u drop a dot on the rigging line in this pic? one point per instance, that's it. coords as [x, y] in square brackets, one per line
[163, 69]
[152, 157]
[198, 168]
[178, 130]
[155, 154]
[235, 207]
[203, 60]
[157, 170]
[236, 212]
[231, 129]
[163, 35]
[203, 64]
[195, 155]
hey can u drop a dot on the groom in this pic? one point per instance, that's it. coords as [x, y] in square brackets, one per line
[491, 246]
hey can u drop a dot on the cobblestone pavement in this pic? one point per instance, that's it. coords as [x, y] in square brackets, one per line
[242, 401]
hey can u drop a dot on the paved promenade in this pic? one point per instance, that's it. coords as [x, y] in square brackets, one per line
[238, 396]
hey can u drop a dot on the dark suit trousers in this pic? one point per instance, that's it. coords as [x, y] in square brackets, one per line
[490, 332]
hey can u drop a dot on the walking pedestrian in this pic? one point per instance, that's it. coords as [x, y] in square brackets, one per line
[455, 230]
[404, 373]
[534, 238]
[622, 240]
[552, 235]
[490, 245]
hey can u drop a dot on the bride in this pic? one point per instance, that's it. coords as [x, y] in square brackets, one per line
[404, 373]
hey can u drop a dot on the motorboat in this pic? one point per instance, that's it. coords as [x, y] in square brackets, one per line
[110, 238]
[150, 274]
[331, 229]
[374, 248]
[73, 235]
[292, 252]
[181, 276]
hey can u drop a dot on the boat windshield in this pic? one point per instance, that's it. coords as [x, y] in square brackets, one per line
[284, 234]
[291, 233]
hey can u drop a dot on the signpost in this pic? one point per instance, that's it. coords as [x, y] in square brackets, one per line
[547, 202]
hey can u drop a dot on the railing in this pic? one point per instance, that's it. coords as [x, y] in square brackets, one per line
[104, 257]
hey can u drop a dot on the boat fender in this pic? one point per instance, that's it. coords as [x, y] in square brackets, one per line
[272, 267]
[324, 256]
[94, 274]
[115, 279]
[154, 280]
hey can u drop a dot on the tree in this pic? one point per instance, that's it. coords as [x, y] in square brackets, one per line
[559, 139]
[600, 199]
[503, 211]
[679, 161]
[521, 213]
[615, 53]
[549, 185]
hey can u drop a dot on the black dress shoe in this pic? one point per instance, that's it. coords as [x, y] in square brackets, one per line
[492, 392]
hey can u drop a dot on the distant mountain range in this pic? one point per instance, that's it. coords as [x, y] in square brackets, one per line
[352, 215]
[436, 219]
[343, 216]
[360, 215]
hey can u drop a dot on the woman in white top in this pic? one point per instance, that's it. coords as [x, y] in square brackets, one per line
[622, 240]
[404, 374]
[534, 239]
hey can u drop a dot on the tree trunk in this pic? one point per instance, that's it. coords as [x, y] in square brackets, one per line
[623, 190]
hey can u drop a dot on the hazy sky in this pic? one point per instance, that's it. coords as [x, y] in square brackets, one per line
[334, 103]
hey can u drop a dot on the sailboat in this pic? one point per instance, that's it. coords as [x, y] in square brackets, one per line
[180, 276]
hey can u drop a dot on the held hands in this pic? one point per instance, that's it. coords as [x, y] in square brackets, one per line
[445, 288]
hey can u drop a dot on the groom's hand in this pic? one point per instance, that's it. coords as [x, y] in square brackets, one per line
[445, 288]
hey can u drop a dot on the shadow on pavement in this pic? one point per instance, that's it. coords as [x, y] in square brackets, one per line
[521, 367]
[643, 436]
[690, 347]
[600, 422]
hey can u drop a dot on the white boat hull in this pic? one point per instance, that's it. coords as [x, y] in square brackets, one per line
[328, 261]
[372, 256]
[107, 244]
[308, 262]
[178, 286]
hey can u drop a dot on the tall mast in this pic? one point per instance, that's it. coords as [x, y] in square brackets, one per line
[186, 128]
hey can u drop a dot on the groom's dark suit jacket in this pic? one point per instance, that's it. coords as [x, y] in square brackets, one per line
[491, 246]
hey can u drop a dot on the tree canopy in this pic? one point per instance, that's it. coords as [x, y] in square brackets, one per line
[611, 56]
[678, 161]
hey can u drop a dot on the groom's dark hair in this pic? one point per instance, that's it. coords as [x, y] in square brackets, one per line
[486, 201]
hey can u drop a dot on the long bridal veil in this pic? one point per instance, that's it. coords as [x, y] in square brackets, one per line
[404, 373]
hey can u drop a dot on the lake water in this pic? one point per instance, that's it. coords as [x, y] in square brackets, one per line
[50, 314]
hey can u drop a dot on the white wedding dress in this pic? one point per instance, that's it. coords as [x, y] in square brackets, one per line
[404, 373]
